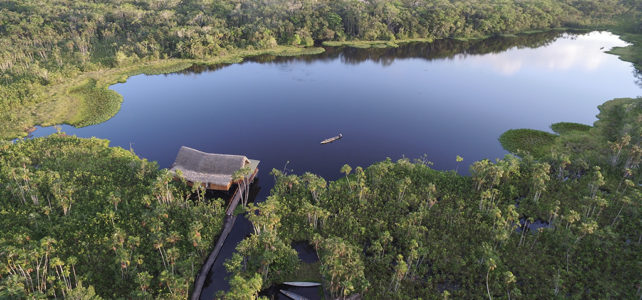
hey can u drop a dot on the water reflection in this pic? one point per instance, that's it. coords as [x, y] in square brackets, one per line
[582, 52]
[443, 99]
[552, 51]
[444, 48]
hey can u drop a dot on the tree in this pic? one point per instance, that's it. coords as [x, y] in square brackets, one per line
[458, 159]
[242, 176]
[346, 169]
[342, 265]
[244, 288]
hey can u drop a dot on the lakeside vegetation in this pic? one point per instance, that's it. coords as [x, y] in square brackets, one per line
[564, 225]
[567, 127]
[375, 44]
[53, 51]
[82, 220]
[631, 53]
[537, 143]
[86, 99]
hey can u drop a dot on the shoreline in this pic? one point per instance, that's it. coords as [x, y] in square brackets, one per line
[87, 100]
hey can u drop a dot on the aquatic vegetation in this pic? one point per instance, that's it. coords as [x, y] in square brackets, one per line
[403, 230]
[534, 142]
[81, 219]
[631, 53]
[87, 100]
[567, 127]
[47, 53]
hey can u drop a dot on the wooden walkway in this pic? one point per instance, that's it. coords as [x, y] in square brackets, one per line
[227, 227]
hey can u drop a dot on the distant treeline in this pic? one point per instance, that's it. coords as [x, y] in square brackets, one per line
[48, 41]
[444, 48]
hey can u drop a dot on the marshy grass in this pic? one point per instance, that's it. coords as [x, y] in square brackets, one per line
[567, 127]
[470, 38]
[87, 100]
[375, 44]
[158, 69]
[631, 53]
[98, 103]
[361, 44]
[537, 143]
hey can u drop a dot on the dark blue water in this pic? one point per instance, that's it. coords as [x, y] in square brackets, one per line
[415, 100]
[442, 99]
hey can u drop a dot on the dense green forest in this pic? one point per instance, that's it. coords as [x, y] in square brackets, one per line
[57, 58]
[563, 224]
[81, 220]
[84, 220]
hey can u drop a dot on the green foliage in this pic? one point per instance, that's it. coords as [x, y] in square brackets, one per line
[368, 44]
[82, 220]
[87, 100]
[243, 289]
[52, 48]
[76, 212]
[307, 272]
[631, 53]
[535, 142]
[567, 127]
[620, 117]
[265, 253]
[97, 104]
[402, 230]
[340, 262]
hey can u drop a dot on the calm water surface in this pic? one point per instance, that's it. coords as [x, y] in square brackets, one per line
[441, 99]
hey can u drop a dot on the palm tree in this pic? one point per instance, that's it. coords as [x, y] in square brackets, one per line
[242, 176]
[346, 169]
[458, 159]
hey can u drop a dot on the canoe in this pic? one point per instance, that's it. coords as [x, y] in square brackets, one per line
[302, 283]
[293, 295]
[332, 139]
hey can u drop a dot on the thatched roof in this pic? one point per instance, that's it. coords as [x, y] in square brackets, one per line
[210, 168]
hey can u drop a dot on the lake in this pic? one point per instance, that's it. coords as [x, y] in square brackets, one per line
[439, 99]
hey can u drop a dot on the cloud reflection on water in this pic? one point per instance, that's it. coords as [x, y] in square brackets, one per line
[581, 52]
